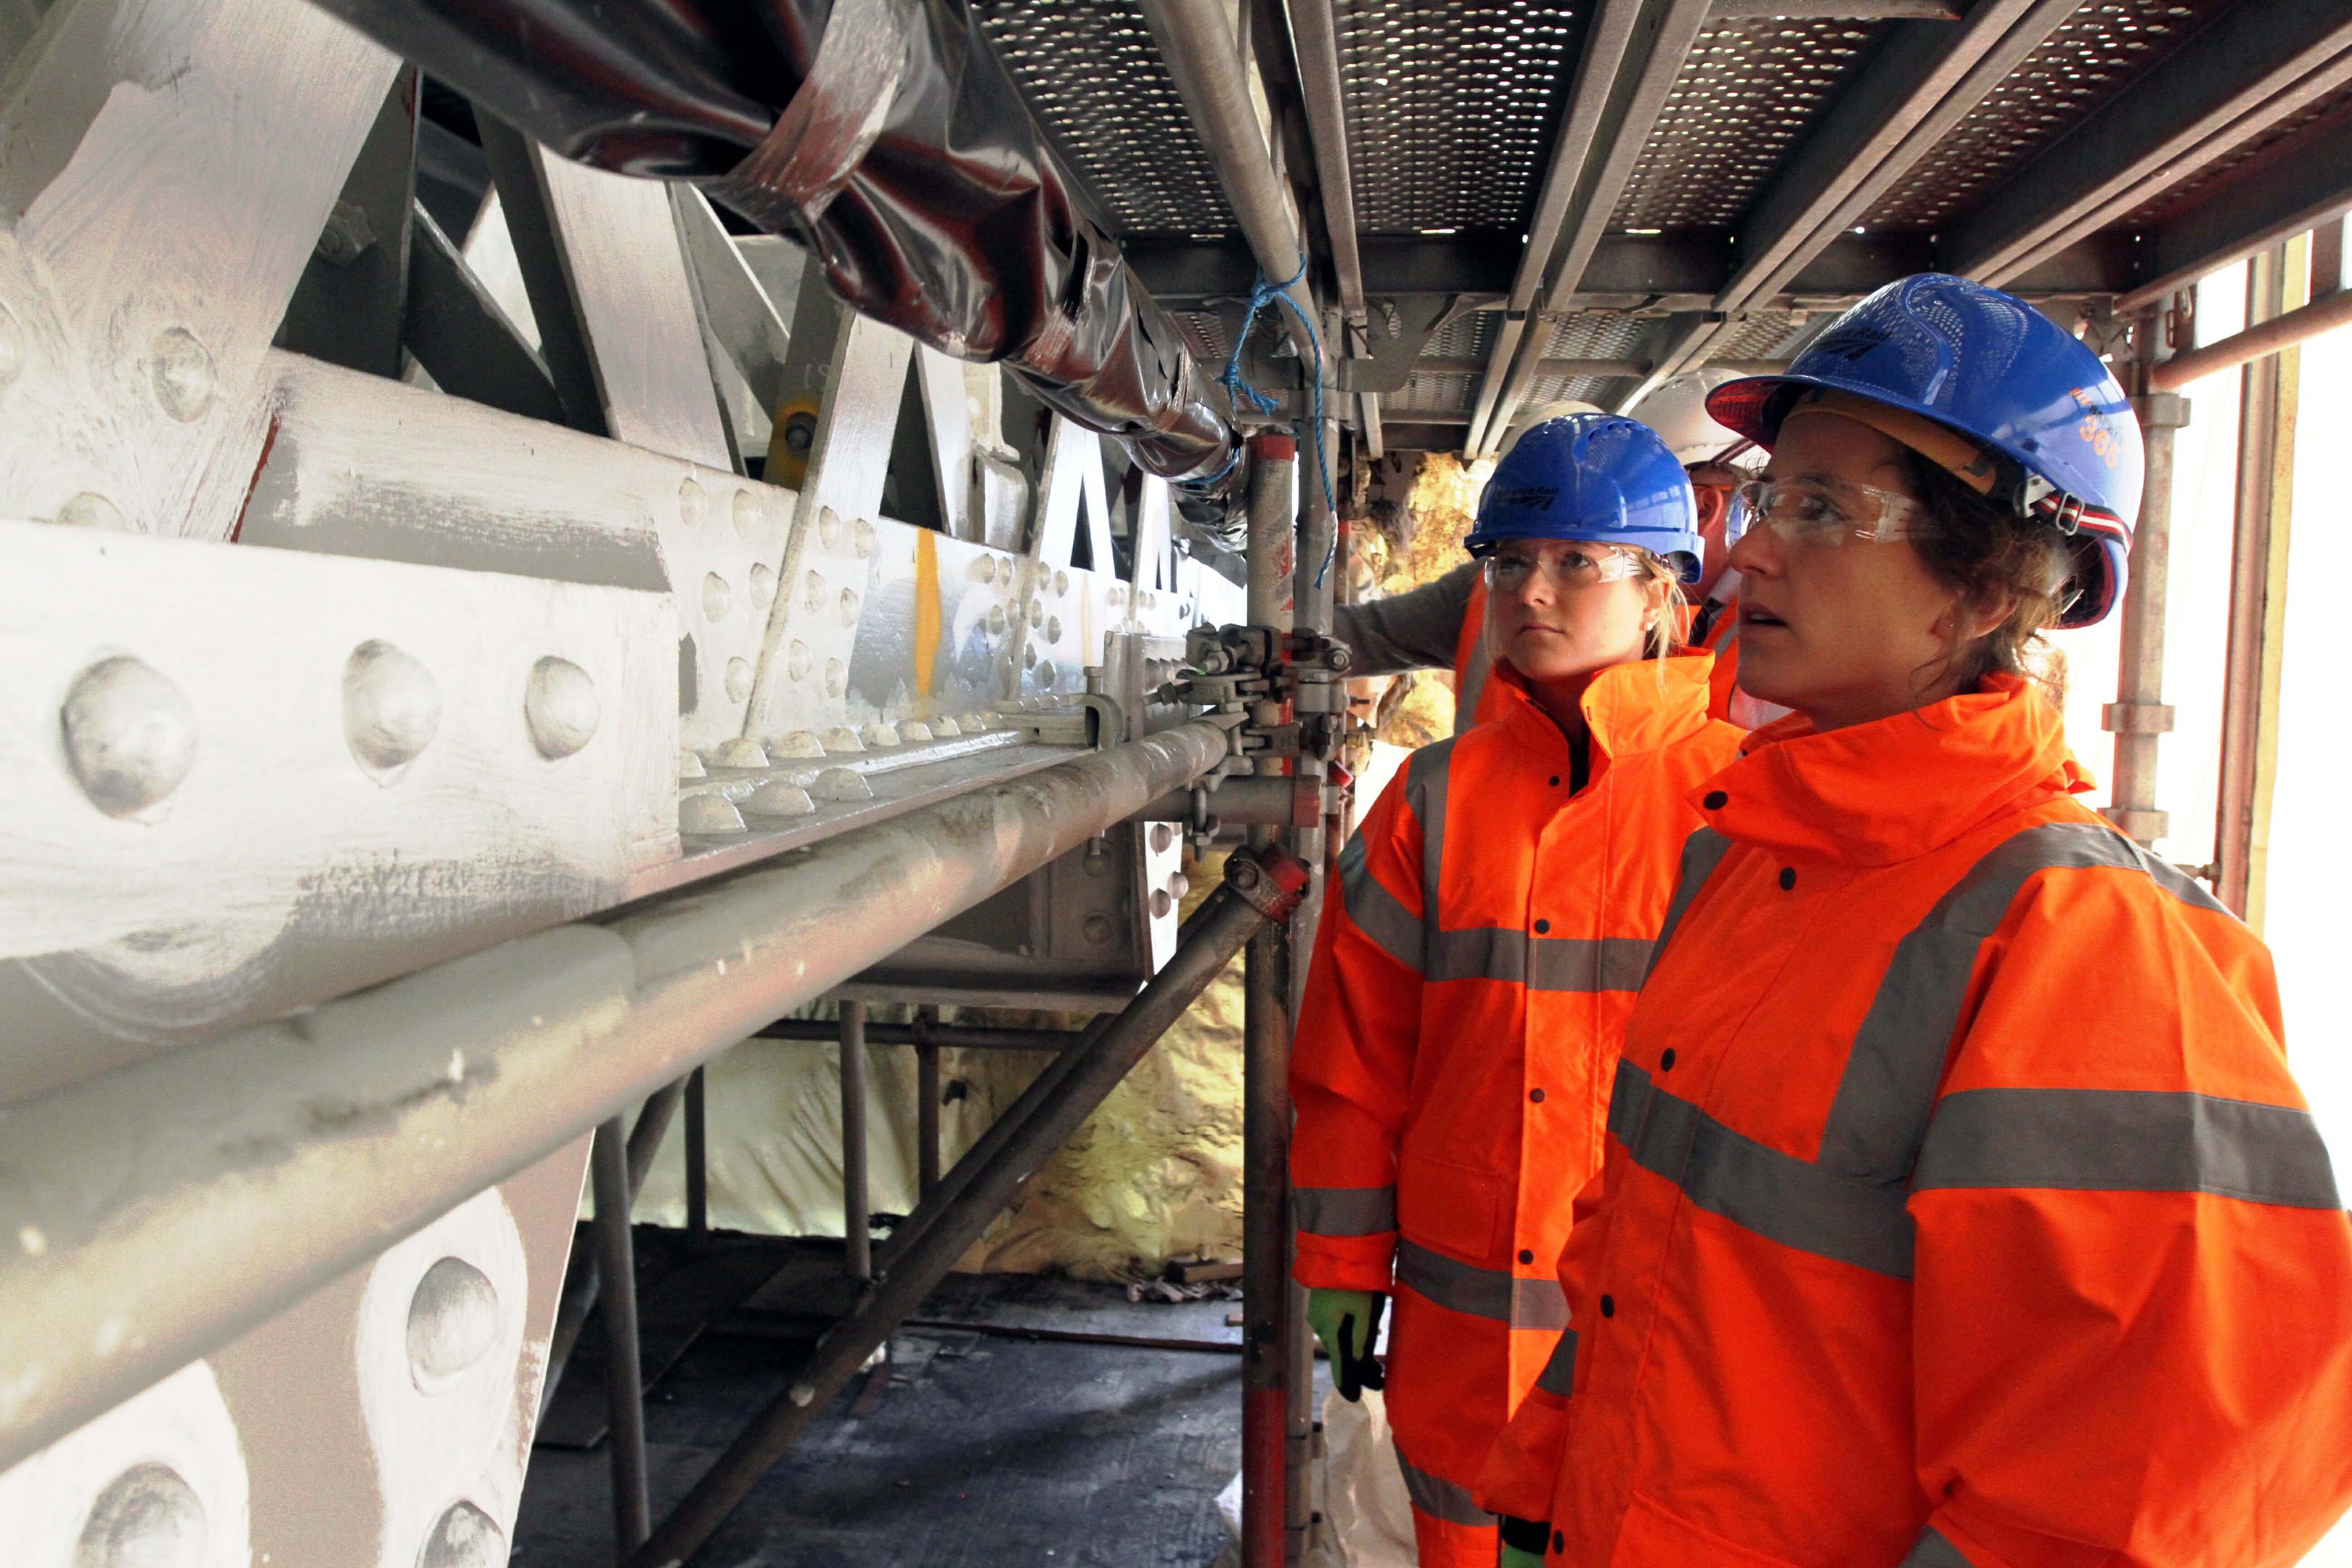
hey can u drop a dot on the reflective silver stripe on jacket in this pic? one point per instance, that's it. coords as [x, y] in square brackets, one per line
[2126, 1140]
[1880, 1114]
[1511, 954]
[1481, 1292]
[1778, 1197]
[1703, 851]
[1441, 1499]
[1879, 1144]
[1375, 911]
[1346, 1210]
[1559, 1375]
[1932, 1551]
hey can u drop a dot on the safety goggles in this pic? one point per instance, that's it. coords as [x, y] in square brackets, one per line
[1576, 566]
[1826, 512]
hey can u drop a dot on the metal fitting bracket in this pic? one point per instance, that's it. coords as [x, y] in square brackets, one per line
[1271, 879]
[2137, 717]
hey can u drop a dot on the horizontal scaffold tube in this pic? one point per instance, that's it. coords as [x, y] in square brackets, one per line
[154, 1214]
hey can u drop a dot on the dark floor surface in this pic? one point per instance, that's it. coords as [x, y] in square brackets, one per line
[975, 1451]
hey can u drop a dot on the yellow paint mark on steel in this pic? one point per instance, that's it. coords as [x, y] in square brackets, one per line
[926, 610]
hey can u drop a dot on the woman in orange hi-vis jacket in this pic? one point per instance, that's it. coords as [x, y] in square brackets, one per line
[1959, 1210]
[1496, 912]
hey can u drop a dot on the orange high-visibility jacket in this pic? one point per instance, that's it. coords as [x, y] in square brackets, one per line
[1959, 1207]
[1460, 1021]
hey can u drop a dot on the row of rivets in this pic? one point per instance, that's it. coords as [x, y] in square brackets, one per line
[131, 733]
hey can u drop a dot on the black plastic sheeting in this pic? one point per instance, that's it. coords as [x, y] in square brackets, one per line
[887, 137]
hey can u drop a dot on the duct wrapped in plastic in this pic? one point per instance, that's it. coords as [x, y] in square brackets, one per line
[887, 137]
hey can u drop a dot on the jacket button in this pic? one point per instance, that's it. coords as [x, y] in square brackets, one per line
[1716, 800]
[1554, 779]
[1608, 1306]
[1542, 926]
[1788, 878]
[1535, 1095]
[1666, 1061]
[1526, 1256]
[1558, 1540]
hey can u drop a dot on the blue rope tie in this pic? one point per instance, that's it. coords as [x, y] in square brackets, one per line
[1262, 293]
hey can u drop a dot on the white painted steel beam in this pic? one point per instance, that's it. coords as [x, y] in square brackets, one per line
[242, 781]
[155, 1213]
[164, 174]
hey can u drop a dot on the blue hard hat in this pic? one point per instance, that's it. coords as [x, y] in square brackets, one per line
[1595, 478]
[1995, 369]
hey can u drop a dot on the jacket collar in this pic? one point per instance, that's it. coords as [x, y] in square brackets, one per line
[1644, 706]
[1897, 787]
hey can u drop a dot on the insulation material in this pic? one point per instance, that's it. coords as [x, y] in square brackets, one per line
[1155, 1171]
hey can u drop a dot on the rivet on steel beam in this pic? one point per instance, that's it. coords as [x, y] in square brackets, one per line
[914, 731]
[738, 679]
[849, 606]
[453, 1321]
[717, 598]
[392, 708]
[90, 510]
[146, 1514]
[689, 766]
[1099, 928]
[797, 743]
[738, 753]
[861, 538]
[1054, 628]
[1061, 583]
[842, 739]
[841, 784]
[691, 503]
[985, 569]
[837, 677]
[560, 705]
[797, 659]
[763, 585]
[881, 732]
[747, 514]
[828, 529]
[944, 729]
[181, 370]
[130, 734]
[813, 593]
[709, 815]
[777, 798]
[1037, 614]
[996, 620]
[463, 1533]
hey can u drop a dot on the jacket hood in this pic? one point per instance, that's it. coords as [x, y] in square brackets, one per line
[1897, 787]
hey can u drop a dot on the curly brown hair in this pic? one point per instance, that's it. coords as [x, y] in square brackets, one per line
[1984, 551]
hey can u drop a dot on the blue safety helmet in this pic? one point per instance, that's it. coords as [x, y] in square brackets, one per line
[1995, 369]
[1596, 477]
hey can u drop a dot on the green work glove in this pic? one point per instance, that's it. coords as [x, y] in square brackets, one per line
[1515, 1558]
[1348, 1324]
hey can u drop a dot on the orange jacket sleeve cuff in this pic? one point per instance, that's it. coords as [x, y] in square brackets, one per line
[1522, 1470]
[1346, 1263]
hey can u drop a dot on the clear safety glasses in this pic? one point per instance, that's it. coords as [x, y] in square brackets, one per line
[1826, 512]
[1569, 566]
